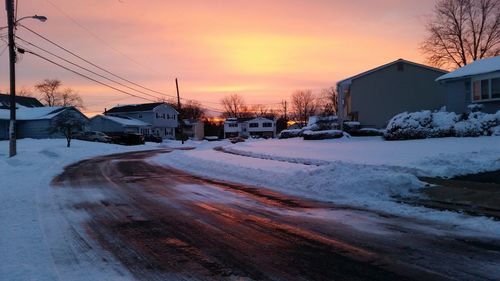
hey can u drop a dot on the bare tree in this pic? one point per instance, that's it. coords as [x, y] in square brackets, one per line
[192, 109]
[68, 123]
[462, 31]
[69, 97]
[52, 95]
[328, 101]
[234, 106]
[303, 104]
[49, 91]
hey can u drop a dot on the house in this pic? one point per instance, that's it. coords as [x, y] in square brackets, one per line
[193, 129]
[245, 127]
[119, 124]
[161, 116]
[35, 122]
[475, 83]
[375, 96]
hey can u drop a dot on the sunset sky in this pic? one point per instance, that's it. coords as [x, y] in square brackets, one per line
[261, 49]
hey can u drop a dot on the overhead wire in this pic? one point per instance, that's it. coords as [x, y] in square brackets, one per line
[85, 76]
[86, 69]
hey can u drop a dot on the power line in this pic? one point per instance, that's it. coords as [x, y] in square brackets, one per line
[93, 64]
[85, 76]
[98, 38]
[86, 69]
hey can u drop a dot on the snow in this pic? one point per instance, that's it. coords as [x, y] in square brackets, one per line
[31, 113]
[482, 66]
[364, 172]
[36, 242]
[127, 121]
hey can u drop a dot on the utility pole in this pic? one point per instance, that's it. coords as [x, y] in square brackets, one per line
[285, 112]
[9, 6]
[179, 118]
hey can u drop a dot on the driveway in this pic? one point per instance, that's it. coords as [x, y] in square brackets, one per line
[165, 224]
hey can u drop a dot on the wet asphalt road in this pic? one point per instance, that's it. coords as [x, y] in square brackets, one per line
[165, 224]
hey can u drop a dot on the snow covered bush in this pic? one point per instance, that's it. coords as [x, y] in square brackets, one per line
[415, 125]
[322, 135]
[286, 134]
[366, 132]
[427, 124]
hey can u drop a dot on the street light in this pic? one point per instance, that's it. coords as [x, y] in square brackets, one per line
[11, 24]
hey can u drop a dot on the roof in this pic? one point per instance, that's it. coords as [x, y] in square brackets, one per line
[136, 107]
[483, 66]
[126, 121]
[23, 101]
[33, 113]
[348, 81]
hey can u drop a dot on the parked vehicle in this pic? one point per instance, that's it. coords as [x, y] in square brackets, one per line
[94, 136]
[129, 139]
[237, 139]
[153, 138]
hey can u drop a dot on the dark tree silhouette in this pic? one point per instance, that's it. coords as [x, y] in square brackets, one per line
[68, 123]
[234, 106]
[462, 31]
[303, 105]
[51, 95]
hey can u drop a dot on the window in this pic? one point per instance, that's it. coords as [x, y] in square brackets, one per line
[232, 125]
[140, 115]
[157, 115]
[476, 89]
[267, 125]
[168, 116]
[254, 125]
[495, 88]
[486, 89]
[163, 116]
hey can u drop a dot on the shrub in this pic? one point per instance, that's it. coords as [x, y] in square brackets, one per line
[323, 135]
[427, 124]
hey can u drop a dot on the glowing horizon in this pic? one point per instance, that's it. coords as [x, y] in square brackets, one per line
[263, 51]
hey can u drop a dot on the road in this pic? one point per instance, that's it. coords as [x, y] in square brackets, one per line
[165, 224]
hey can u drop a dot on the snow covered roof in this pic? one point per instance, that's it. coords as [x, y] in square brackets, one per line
[478, 67]
[20, 100]
[33, 113]
[348, 81]
[124, 120]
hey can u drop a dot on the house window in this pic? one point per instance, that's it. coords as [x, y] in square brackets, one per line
[173, 116]
[495, 88]
[163, 116]
[140, 115]
[232, 125]
[476, 90]
[267, 125]
[168, 116]
[254, 125]
[157, 115]
[486, 89]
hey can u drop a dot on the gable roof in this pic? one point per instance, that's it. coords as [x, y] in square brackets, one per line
[35, 113]
[24, 101]
[348, 81]
[125, 121]
[136, 107]
[483, 66]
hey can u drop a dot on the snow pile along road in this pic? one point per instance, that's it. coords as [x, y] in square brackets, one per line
[36, 241]
[362, 172]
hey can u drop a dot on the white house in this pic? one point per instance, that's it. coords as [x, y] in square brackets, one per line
[162, 117]
[254, 127]
[194, 129]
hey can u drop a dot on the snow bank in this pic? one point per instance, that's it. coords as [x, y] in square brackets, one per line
[36, 241]
[361, 172]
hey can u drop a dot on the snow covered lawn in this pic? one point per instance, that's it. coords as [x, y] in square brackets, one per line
[365, 172]
[31, 226]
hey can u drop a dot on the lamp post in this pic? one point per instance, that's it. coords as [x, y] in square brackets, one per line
[11, 24]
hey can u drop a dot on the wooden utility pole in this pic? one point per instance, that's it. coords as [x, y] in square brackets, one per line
[9, 6]
[179, 118]
[285, 112]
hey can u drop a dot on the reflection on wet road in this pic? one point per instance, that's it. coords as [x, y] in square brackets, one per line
[165, 224]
